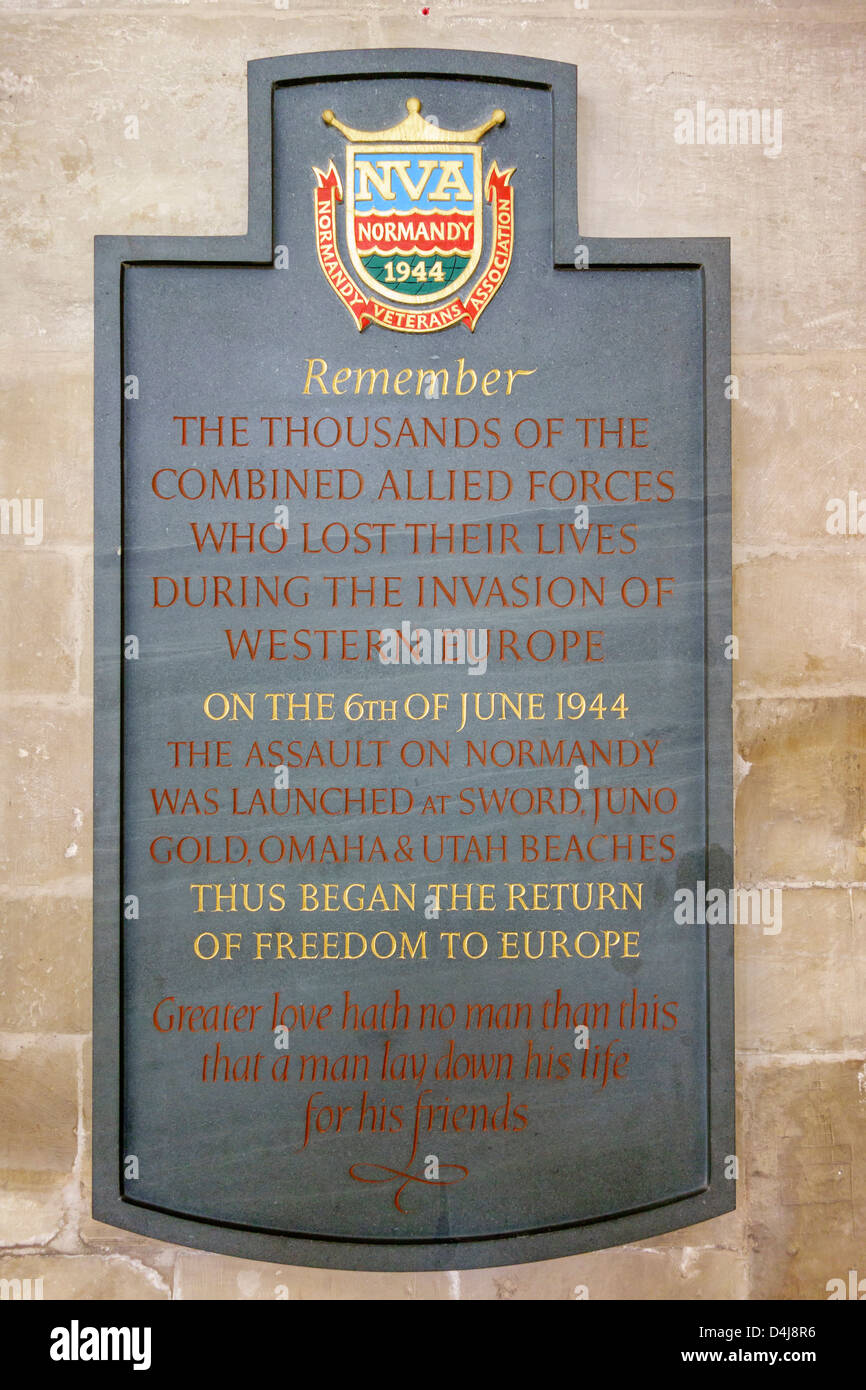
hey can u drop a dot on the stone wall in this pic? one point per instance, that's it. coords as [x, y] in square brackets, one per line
[128, 116]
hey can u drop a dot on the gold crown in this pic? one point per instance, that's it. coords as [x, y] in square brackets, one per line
[416, 127]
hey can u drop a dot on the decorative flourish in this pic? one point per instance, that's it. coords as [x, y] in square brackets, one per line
[390, 1174]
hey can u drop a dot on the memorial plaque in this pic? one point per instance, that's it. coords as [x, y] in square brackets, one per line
[412, 753]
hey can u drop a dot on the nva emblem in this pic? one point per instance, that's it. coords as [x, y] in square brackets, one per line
[414, 224]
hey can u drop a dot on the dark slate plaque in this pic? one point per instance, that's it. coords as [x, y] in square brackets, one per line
[413, 705]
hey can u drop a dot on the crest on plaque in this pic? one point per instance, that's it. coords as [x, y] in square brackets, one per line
[412, 222]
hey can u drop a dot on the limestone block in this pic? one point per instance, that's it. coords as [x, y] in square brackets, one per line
[41, 637]
[46, 443]
[805, 1147]
[796, 429]
[32, 1207]
[45, 980]
[38, 1104]
[634, 1272]
[799, 621]
[86, 1278]
[801, 990]
[201, 1276]
[148, 136]
[45, 773]
[799, 814]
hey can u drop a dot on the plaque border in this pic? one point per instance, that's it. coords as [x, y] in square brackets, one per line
[711, 258]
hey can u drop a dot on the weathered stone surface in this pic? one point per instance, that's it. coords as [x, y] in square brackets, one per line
[86, 1278]
[722, 1233]
[576, 10]
[805, 1147]
[688, 1272]
[801, 990]
[40, 634]
[799, 813]
[38, 1104]
[858, 913]
[821, 645]
[201, 1276]
[45, 823]
[172, 74]
[46, 446]
[796, 428]
[33, 1208]
[637, 1272]
[39, 1131]
[45, 980]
